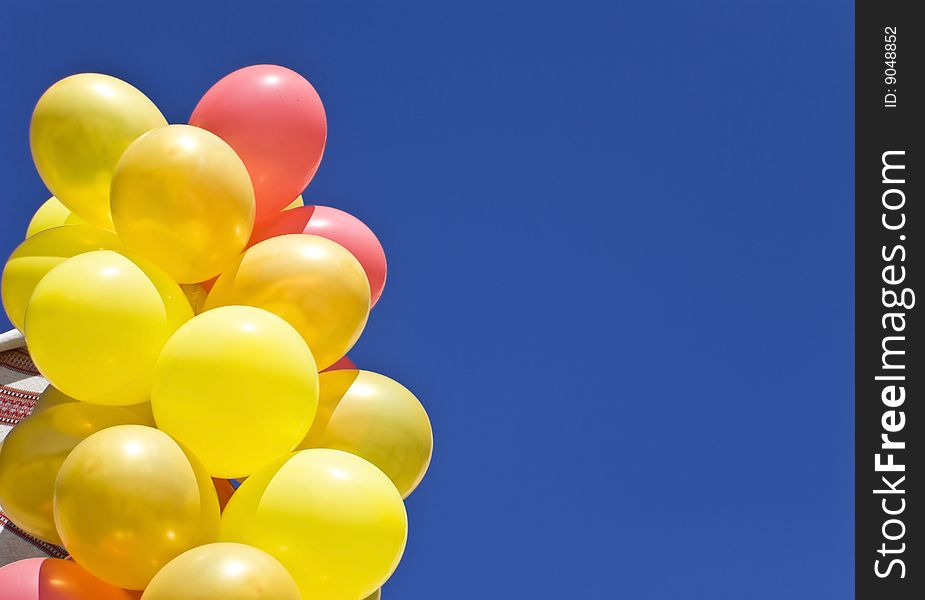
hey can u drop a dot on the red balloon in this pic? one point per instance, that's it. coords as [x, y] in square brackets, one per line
[344, 364]
[337, 226]
[225, 491]
[274, 120]
[54, 579]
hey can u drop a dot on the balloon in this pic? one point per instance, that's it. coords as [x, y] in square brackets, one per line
[335, 521]
[196, 295]
[377, 595]
[33, 452]
[53, 397]
[274, 120]
[223, 570]
[376, 418]
[224, 489]
[80, 127]
[342, 363]
[338, 226]
[54, 579]
[182, 199]
[236, 385]
[129, 499]
[96, 324]
[36, 256]
[52, 214]
[313, 283]
[296, 203]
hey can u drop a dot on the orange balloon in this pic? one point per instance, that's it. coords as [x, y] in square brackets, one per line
[54, 579]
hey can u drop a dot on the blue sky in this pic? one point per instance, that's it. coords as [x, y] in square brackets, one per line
[620, 247]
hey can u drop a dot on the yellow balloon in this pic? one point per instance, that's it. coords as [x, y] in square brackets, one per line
[223, 570]
[128, 500]
[52, 214]
[36, 256]
[376, 418]
[182, 198]
[335, 521]
[237, 386]
[33, 452]
[80, 128]
[97, 322]
[296, 203]
[377, 595]
[53, 397]
[315, 284]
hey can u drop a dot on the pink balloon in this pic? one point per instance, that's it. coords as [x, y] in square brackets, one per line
[54, 579]
[337, 226]
[274, 120]
[344, 364]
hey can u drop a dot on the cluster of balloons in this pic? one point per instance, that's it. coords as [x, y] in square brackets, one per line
[192, 317]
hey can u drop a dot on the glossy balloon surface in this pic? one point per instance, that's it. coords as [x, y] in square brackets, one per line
[332, 519]
[80, 127]
[335, 225]
[97, 322]
[376, 418]
[34, 451]
[38, 254]
[54, 579]
[313, 283]
[274, 120]
[52, 214]
[225, 571]
[238, 386]
[128, 500]
[182, 199]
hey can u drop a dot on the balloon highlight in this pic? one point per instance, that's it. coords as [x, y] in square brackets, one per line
[274, 120]
[223, 570]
